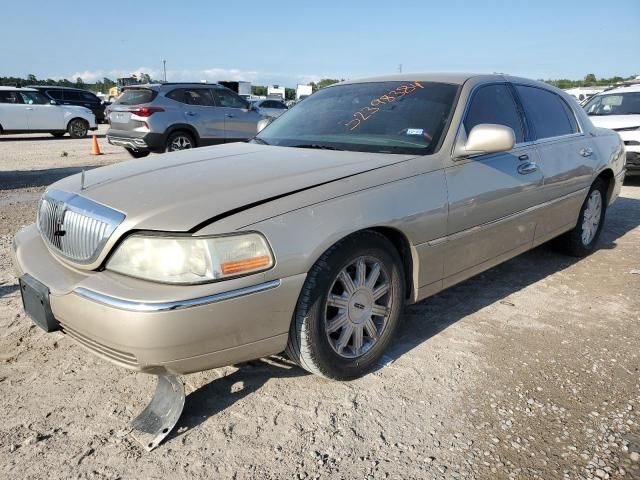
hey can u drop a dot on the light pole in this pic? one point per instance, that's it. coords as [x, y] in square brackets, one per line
[164, 67]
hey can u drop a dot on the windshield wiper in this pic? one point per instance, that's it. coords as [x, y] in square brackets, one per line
[316, 146]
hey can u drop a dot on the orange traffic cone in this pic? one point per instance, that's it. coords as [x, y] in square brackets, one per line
[95, 148]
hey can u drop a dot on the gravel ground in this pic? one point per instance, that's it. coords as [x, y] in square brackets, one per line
[530, 370]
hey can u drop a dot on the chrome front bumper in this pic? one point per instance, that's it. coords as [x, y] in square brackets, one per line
[235, 321]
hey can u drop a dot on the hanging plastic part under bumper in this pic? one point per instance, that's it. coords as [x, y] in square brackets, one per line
[157, 420]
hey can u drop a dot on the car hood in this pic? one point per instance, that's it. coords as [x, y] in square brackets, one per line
[615, 121]
[177, 191]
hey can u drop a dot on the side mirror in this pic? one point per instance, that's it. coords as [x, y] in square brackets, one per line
[485, 138]
[53, 102]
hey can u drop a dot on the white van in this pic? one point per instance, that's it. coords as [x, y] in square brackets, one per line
[26, 110]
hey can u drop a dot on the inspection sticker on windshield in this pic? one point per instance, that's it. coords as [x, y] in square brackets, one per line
[415, 131]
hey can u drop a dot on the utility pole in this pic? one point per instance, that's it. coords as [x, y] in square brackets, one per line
[164, 67]
[399, 68]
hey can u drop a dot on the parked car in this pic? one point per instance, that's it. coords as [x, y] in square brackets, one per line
[178, 116]
[26, 110]
[619, 110]
[74, 96]
[311, 238]
[270, 108]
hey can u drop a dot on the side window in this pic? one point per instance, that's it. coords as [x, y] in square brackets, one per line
[268, 104]
[72, 96]
[280, 105]
[547, 112]
[34, 98]
[494, 104]
[198, 96]
[89, 97]
[227, 98]
[10, 96]
[55, 94]
[177, 95]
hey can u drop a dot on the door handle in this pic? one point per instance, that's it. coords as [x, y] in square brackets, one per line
[29, 108]
[523, 157]
[526, 168]
[191, 114]
[586, 152]
[229, 115]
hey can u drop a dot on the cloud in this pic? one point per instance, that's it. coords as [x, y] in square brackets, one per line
[208, 74]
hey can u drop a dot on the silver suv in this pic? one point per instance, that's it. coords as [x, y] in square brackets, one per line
[177, 116]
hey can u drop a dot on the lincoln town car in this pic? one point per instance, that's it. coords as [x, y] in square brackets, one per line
[310, 238]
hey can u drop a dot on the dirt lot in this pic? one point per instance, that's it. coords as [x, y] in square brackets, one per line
[530, 370]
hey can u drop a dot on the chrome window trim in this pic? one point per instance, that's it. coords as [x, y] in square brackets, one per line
[133, 306]
[86, 207]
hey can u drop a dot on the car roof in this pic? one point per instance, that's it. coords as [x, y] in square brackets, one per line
[56, 87]
[19, 89]
[158, 86]
[623, 88]
[457, 78]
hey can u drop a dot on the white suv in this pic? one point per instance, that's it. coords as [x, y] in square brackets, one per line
[619, 110]
[25, 110]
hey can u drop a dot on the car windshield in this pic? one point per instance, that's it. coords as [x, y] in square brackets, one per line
[404, 117]
[627, 103]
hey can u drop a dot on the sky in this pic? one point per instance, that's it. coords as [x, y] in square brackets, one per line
[289, 42]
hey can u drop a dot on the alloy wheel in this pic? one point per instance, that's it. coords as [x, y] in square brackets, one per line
[180, 143]
[358, 307]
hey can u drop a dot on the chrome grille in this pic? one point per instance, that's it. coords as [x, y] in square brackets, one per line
[75, 226]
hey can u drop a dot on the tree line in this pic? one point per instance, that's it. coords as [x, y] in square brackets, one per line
[105, 84]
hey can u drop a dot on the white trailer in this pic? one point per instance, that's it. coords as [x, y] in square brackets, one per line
[303, 91]
[274, 91]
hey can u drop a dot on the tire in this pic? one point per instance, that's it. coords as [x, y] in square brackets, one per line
[179, 141]
[582, 240]
[137, 153]
[78, 128]
[315, 341]
[58, 134]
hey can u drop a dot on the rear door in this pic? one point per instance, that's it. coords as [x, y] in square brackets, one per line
[566, 158]
[13, 111]
[490, 195]
[240, 123]
[41, 114]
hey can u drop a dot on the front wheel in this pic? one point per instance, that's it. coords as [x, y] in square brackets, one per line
[349, 308]
[78, 128]
[582, 240]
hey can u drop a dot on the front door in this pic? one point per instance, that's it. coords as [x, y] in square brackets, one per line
[240, 122]
[490, 196]
[42, 115]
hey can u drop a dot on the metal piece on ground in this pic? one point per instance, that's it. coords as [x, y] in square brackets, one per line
[155, 422]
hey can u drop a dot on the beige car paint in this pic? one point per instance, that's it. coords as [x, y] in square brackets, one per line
[455, 216]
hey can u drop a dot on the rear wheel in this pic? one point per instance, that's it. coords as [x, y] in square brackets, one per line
[582, 240]
[179, 141]
[137, 153]
[78, 128]
[349, 308]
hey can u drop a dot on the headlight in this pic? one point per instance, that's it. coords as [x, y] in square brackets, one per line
[180, 259]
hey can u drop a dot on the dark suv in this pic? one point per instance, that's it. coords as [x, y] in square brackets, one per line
[176, 116]
[74, 96]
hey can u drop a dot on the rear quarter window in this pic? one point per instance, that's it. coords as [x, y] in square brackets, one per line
[55, 94]
[546, 112]
[135, 96]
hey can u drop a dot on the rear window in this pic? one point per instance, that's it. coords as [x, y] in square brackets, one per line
[547, 112]
[135, 96]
